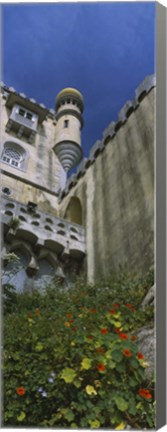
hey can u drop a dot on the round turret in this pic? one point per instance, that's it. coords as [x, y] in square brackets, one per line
[69, 108]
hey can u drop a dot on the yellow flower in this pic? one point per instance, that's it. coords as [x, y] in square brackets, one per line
[90, 390]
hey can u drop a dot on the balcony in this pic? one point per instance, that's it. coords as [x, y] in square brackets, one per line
[23, 122]
[43, 230]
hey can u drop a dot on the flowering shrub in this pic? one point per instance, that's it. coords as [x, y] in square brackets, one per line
[71, 359]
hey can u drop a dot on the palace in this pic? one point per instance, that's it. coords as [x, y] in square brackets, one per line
[93, 221]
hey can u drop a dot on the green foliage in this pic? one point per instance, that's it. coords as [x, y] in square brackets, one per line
[70, 360]
[14, 222]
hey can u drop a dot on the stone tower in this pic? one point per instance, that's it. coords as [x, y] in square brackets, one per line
[69, 108]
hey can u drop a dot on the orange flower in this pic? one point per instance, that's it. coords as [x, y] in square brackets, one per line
[104, 330]
[37, 311]
[140, 356]
[20, 391]
[133, 338]
[67, 324]
[101, 350]
[127, 353]
[101, 367]
[123, 336]
[69, 315]
[145, 393]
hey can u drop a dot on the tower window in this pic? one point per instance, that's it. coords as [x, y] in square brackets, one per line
[66, 123]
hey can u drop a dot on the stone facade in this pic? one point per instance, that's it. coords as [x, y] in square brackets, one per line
[97, 219]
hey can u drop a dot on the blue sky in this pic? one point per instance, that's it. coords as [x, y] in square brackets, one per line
[103, 49]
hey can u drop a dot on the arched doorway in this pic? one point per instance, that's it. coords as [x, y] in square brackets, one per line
[73, 211]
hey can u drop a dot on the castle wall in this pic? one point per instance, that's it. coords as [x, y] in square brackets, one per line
[117, 197]
[42, 175]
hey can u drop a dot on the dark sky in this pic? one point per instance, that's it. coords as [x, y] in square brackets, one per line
[103, 49]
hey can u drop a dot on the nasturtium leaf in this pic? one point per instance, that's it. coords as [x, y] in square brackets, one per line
[134, 363]
[94, 424]
[117, 324]
[132, 382]
[68, 375]
[90, 390]
[69, 416]
[39, 347]
[121, 426]
[21, 416]
[117, 315]
[117, 355]
[86, 363]
[111, 364]
[139, 405]
[121, 403]
[77, 383]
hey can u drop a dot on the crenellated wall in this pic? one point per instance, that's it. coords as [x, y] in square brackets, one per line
[115, 186]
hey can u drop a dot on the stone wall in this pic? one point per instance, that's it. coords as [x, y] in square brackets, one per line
[116, 190]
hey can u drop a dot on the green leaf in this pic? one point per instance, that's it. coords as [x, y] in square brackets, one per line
[69, 416]
[94, 424]
[39, 347]
[111, 364]
[117, 356]
[134, 363]
[68, 375]
[21, 417]
[121, 403]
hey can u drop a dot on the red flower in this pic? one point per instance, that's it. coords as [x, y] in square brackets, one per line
[74, 329]
[112, 311]
[123, 336]
[71, 321]
[133, 338]
[127, 353]
[145, 393]
[104, 330]
[101, 367]
[129, 305]
[92, 310]
[116, 305]
[20, 391]
[90, 337]
[140, 356]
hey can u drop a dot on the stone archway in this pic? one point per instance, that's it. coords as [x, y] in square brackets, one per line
[73, 211]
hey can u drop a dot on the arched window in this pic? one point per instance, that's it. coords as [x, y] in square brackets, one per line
[14, 155]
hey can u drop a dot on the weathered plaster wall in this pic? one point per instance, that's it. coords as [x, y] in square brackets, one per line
[117, 197]
[43, 172]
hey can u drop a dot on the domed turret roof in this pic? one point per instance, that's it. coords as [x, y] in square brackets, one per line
[69, 92]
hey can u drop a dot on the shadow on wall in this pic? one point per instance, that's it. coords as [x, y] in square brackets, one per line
[73, 211]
